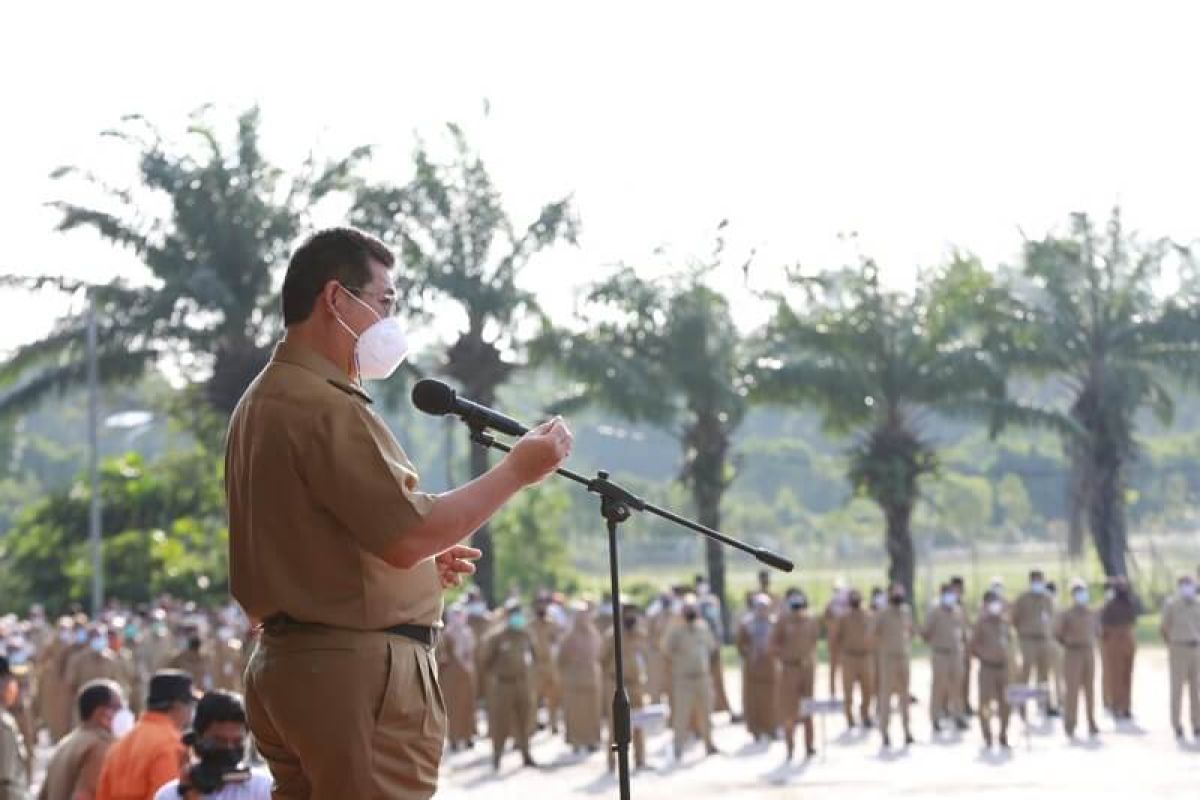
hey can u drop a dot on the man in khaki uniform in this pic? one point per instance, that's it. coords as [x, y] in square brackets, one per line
[794, 642]
[96, 662]
[662, 615]
[991, 643]
[1032, 616]
[1055, 683]
[547, 683]
[73, 772]
[14, 757]
[835, 609]
[1075, 629]
[52, 705]
[635, 653]
[958, 586]
[195, 662]
[857, 647]
[689, 646]
[335, 551]
[1118, 644]
[760, 671]
[508, 667]
[1181, 631]
[945, 632]
[893, 638]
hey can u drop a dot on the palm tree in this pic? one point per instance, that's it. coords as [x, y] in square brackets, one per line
[878, 363]
[211, 307]
[665, 352]
[458, 248]
[1088, 316]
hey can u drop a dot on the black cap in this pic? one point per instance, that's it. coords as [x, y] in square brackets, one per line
[171, 686]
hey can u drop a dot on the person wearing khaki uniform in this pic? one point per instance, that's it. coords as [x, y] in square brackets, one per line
[1118, 644]
[507, 662]
[658, 681]
[547, 682]
[893, 640]
[946, 633]
[636, 654]
[1032, 616]
[14, 757]
[760, 671]
[456, 674]
[95, 663]
[73, 771]
[831, 620]
[578, 666]
[854, 642]
[1055, 683]
[51, 703]
[1181, 631]
[689, 646]
[991, 643]
[1075, 629]
[794, 641]
[335, 552]
[195, 662]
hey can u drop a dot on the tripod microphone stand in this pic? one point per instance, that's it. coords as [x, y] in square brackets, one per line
[616, 506]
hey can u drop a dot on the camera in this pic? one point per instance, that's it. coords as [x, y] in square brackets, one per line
[208, 777]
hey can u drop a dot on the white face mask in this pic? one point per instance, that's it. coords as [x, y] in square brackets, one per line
[948, 600]
[380, 348]
[995, 607]
[1187, 591]
[1038, 587]
[1081, 597]
[122, 722]
[1110, 594]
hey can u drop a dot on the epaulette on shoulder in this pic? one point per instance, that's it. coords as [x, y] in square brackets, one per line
[350, 388]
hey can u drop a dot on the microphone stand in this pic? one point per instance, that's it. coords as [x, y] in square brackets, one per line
[616, 506]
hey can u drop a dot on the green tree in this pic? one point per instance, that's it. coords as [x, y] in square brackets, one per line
[665, 352]
[163, 528]
[211, 306]
[531, 549]
[458, 248]
[1086, 314]
[877, 363]
[1013, 501]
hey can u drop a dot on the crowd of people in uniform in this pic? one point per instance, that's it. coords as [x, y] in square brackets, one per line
[548, 664]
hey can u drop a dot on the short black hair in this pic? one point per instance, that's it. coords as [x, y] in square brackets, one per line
[333, 254]
[218, 706]
[96, 695]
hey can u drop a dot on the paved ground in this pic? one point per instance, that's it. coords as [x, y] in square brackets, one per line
[1140, 760]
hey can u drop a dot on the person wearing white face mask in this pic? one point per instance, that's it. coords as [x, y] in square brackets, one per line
[96, 662]
[1076, 629]
[945, 632]
[334, 550]
[1032, 615]
[1181, 631]
[991, 643]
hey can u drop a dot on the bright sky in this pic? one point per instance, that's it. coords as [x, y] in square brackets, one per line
[921, 125]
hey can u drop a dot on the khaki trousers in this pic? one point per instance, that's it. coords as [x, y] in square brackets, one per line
[1079, 672]
[946, 695]
[1185, 670]
[796, 684]
[1035, 660]
[893, 682]
[339, 713]
[993, 688]
[1118, 647]
[691, 704]
[857, 671]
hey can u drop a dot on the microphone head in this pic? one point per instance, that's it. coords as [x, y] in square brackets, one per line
[433, 397]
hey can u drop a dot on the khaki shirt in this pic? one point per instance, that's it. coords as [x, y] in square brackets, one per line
[635, 653]
[893, 630]
[945, 629]
[508, 655]
[854, 633]
[318, 490]
[1076, 627]
[689, 647]
[14, 760]
[1031, 615]
[991, 640]
[1181, 621]
[794, 638]
[75, 765]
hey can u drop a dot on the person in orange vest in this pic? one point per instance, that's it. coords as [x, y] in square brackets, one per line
[152, 753]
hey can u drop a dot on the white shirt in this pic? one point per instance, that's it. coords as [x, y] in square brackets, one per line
[257, 788]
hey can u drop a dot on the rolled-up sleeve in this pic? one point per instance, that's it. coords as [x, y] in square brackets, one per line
[356, 469]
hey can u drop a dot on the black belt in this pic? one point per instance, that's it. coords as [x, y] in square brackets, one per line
[425, 634]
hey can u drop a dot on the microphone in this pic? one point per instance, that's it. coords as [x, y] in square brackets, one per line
[436, 398]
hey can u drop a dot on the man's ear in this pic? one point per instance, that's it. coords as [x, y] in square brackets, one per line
[330, 296]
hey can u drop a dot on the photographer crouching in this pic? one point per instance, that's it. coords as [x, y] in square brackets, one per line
[218, 740]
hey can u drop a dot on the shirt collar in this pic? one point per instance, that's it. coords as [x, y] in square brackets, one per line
[288, 352]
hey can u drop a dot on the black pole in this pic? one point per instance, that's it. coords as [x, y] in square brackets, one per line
[616, 504]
